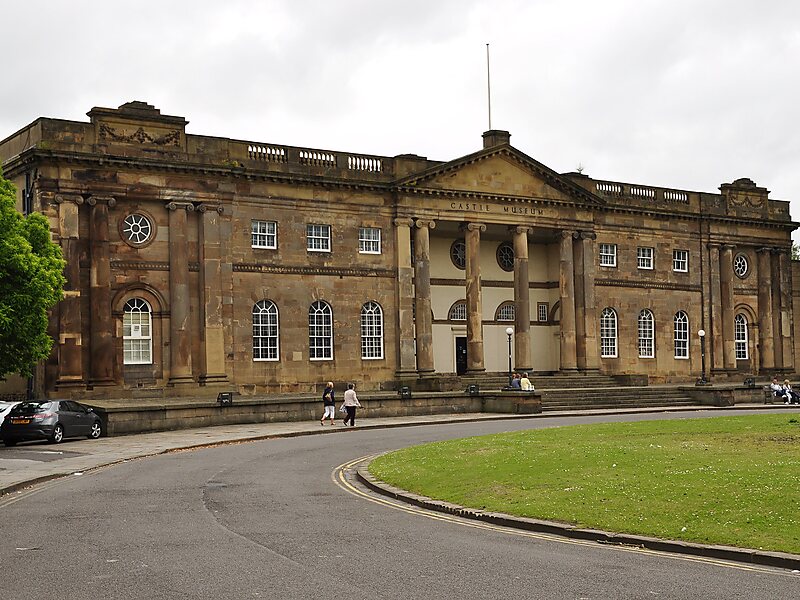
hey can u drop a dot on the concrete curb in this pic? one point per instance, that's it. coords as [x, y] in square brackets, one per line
[743, 555]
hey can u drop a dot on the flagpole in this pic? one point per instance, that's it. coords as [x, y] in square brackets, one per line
[489, 87]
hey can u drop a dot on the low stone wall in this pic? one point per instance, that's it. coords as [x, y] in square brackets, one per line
[159, 415]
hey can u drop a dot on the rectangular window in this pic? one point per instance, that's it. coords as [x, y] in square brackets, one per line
[369, 240]
[608, 255]
[542, 308]
[264, 234]
[680, 261]
[318, 238]
[644, 257]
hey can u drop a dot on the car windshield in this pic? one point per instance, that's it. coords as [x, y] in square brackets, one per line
[27, 408]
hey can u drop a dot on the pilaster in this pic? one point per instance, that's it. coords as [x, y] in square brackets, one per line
[566, 287]
[404, 293]
[101, 322]
[212, 333]
[472, 237]
[422, 296]
[180, 344]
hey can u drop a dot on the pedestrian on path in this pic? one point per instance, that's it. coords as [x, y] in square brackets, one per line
[350, 404]
[329, 403]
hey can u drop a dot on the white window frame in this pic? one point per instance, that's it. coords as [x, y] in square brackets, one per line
[608, 255]
[506, 312]
[680, 261]
[369, 240]
[644, 258]
[137, 333]
[542, 311]
[454, 314]
[318, 237]
[264, 234]
[647, 328]
[608, 333]
[266, 331]
[741, 337]
[371, 331]
[320, 331]
[681, 335]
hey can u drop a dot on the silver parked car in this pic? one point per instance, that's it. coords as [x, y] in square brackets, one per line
[51, 420]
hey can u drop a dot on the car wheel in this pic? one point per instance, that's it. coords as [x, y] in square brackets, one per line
[95, 431]
[10, 442]
[58, 434]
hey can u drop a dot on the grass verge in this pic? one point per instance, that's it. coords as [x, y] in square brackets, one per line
[727, 480]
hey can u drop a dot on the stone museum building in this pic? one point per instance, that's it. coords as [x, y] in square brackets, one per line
[198, 263]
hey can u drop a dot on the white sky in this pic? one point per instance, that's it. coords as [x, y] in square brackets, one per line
[677, 93]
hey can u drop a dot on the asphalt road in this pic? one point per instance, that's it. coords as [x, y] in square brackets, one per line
[271, 519]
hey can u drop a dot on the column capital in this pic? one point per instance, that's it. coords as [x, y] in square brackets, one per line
[109, 200]
[202, 208]
[519, 229]
[713, 245]
[403, 222]
[474, 227]
[730, 247]
[779, 251]
[765, 250]
[565, 233]
[422, 223]
[187, 206]
[587, 235]
[61, 198]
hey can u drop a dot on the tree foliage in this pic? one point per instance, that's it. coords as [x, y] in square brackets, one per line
[31, 282]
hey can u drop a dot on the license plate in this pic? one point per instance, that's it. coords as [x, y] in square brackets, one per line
[20, 421]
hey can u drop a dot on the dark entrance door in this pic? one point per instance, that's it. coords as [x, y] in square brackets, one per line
[461, 355]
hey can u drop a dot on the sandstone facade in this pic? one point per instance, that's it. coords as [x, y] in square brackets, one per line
[197, 263]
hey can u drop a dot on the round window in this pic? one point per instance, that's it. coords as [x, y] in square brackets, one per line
[505, 256]
[136, 229]
[740, 265]
[458, 254]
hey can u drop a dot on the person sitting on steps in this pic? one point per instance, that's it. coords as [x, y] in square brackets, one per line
[525, 383]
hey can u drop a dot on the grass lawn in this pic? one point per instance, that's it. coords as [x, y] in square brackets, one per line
[726, 480]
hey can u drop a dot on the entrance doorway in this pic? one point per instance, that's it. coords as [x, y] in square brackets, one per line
[461, 355]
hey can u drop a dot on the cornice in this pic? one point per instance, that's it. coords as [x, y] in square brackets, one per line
[650, 285]
[329, 271]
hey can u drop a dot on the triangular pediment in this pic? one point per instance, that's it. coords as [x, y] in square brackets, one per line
[501, 171]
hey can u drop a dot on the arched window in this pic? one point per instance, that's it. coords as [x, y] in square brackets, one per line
[646, 346]
[458, 312]
[608, 333]
[740, 336]
[458, 254]
[137, 333]
[265, 331]
[681, 335]
[320, 331]
[505, 312]
[371, 331]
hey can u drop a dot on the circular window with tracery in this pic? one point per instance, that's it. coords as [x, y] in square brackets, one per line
[505, 256]
[458, 254]
[136, 229]
[740, 266]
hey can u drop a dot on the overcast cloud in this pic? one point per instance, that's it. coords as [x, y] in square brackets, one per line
[682, 93]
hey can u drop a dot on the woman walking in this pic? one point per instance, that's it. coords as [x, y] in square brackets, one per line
[329, 402]
[350, 404]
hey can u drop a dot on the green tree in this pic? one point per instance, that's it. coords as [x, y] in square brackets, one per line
[31, 282]
[795, 251]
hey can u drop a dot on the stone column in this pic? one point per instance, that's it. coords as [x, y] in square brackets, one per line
[101, 324]
[212, 332]
[405, 298]
[766, 340]
[586, 325]
[422, 296]
[726, 299]
[715, 313]
[782, 316]
[566, 287]
[180, 343]
[522, 301]
[472, 237]
[70, 346]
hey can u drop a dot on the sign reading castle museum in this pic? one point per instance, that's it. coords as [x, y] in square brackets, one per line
[500, 209]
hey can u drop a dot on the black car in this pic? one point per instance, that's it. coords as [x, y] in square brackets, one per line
[52, 420]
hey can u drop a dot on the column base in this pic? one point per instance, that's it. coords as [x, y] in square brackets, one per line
[180, 380]
[212, 378]
[426, 373]
[477, 371]
[528, 370]
[69, 382]
[103, 382]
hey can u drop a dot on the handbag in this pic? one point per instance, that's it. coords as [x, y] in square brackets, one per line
[343, 409]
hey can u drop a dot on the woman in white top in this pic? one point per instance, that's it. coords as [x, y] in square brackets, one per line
[525, 383]
[350, 404]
